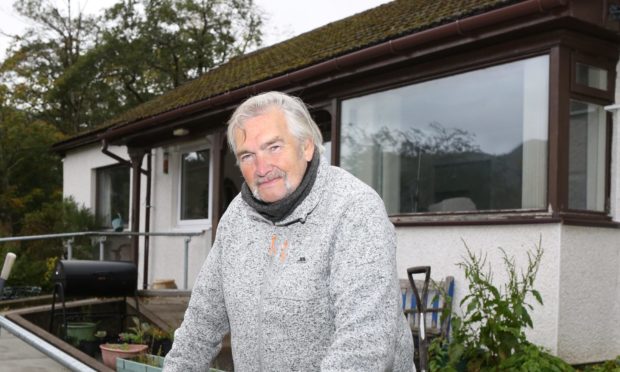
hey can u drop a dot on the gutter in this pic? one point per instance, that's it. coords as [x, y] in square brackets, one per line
[104, 149]
[54, 353]
[78, 140]
[391, 47]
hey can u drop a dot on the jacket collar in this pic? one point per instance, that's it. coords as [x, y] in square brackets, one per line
[307, 205]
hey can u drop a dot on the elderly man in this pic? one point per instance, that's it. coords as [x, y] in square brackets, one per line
[302, 272]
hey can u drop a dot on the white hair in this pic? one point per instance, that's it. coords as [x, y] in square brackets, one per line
[298, 119]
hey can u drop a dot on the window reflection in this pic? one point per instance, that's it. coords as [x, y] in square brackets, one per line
[591, 76]
[195, 185]
[473, 141]
[112, 196]
[586, 159]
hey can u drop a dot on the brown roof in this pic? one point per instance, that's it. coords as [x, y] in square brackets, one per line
[371, 27]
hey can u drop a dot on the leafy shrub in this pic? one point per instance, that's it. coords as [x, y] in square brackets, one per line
[136, 334]
[491, 334]
[36, 259]
[608, 366]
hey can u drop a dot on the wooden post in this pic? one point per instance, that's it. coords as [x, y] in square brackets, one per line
[136, 155]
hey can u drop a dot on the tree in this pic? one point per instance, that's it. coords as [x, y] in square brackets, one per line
[76, 71]
[30, 174]
[170, 42]
[38, 59]
[72, 72]
[37, 258]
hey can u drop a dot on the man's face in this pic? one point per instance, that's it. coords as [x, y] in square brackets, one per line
[271, 159]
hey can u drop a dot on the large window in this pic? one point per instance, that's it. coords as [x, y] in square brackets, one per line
[194, 190]
[469, 142]
[112, 193]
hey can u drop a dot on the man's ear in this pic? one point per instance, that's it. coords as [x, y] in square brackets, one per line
[309, 149]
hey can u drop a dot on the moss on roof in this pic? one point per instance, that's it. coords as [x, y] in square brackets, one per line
[385, 22]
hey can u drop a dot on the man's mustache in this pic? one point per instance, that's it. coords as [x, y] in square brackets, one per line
[274, 174]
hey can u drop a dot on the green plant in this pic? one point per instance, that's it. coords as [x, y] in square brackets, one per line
[137, 333]
[530, 357]
[160, 341]
[490, 336]
[124, 346]
[37, 258]
[158, 334]
[50, 269]
[608, 366]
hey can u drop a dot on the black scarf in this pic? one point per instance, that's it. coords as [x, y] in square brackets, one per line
[279, 210]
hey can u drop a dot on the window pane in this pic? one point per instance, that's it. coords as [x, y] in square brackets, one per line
[473, 141]
[590, 76]
[195, 185]
[112, 195]
[587, 163]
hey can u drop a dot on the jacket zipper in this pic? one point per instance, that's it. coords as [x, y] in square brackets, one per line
[266, 280]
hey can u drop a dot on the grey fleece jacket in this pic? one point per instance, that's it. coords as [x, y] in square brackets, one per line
[316, 291]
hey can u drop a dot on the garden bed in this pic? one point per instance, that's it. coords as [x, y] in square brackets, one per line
[111, 316]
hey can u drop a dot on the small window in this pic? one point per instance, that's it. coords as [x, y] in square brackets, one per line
[469, 142]
[194, 190]
[112, 193]
[587, 156]
[591, 76]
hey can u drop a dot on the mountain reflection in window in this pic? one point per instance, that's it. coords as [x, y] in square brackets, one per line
[468, 142]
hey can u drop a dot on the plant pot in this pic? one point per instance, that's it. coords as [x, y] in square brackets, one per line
[109, 352]
[81, 331]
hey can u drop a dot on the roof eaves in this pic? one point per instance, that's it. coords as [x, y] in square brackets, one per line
[79, 140]
[241, 79]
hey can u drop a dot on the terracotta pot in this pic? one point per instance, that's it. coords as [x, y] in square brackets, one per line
[109, 352]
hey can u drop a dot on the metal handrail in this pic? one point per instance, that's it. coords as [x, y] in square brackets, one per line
[103, 234]
[51, 351]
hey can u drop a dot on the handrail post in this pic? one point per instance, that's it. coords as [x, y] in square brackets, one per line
[186, 261]
[69, 245]
[101, 240]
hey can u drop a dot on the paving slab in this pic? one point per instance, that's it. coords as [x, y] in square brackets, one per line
[17, 356]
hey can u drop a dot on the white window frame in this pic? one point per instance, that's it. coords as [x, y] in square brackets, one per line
[178, 160]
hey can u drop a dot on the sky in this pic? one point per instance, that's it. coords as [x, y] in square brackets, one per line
[284, 18]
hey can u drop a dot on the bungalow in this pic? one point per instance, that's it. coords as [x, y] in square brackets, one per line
[492, 122]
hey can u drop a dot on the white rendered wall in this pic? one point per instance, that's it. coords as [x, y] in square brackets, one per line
[589, 316]
[78, 171]
[442, 248]
[79, 182]
[166, 253]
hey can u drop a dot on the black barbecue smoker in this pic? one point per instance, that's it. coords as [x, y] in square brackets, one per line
[85, 278]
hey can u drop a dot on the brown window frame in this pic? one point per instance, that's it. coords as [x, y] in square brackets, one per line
[599, 97]
[563, 56]
[606, 94]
